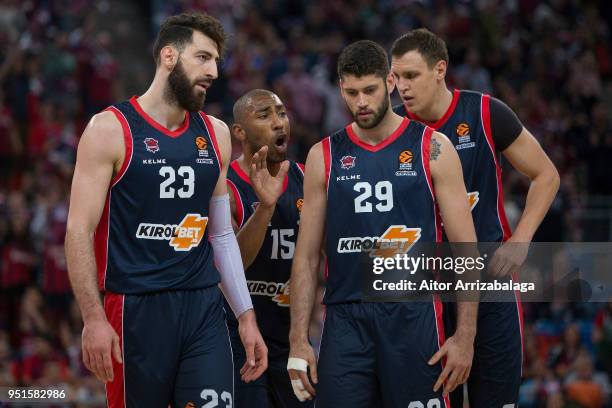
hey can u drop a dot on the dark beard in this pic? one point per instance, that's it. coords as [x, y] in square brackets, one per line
[181, 91]
[378, 115]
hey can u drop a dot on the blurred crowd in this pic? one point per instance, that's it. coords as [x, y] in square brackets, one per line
[549, 60]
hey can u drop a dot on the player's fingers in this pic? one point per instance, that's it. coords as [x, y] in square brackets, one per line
[442, 378]
[284, 168]
[107, 365]
[307, 386]
[452, 381]
[299, 390]
[312, 365]
[493, 269]
[249, 348]
[438, 355]
[117, 350]
[98, 365]
[88, 360]
[464, 375]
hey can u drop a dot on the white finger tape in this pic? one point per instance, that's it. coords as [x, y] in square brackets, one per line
[299, 391]
[295, 363]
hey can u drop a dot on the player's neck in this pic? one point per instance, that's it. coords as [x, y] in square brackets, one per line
[436, 110]
[380, 132]
[244, 161]
[170, 116]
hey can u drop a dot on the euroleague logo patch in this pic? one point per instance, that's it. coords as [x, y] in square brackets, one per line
[462, 129]
[201, 143]
[405, 164]
[183, 236]
[405, 157]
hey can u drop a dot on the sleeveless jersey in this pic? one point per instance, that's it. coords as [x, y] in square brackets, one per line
[467, 124]
[268, 275]
[152, 235]
[375, 194]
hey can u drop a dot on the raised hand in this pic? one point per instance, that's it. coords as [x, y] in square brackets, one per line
[267, 187]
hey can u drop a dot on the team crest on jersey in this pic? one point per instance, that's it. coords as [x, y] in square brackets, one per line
[298, 203]
[151, 144]
[254, 205]
[183, 236]
[463, 135]
[405, 164]
[348, 162]
[397, 239]
[278, 291]
[473, 198]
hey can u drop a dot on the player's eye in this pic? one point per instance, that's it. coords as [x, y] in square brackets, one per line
[282, 114]
[262, 116]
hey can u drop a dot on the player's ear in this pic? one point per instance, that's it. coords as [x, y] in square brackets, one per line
[390, 83]
[168, 57]
[440, 69]
[238, 132]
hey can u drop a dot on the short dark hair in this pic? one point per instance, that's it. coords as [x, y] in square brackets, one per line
[178, 31]
[429, 45]
[363, 57]
[241, 105]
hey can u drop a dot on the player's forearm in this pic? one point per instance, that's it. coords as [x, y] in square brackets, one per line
[81, 263]
[251, 236]
[540, 196]
[467, 313]
[303, 287]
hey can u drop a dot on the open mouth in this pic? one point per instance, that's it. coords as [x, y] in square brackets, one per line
[407, 99]
[281, 141]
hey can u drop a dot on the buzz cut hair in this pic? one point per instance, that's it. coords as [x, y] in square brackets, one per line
[241, 106]
[362, 58]
[178, 31]
[430, 46]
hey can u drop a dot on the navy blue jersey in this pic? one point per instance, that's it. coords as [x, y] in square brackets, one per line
[152, 235]
[268, 275]
[375, 194]
[467, 123]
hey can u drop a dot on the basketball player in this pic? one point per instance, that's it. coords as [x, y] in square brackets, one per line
[355, 188]
[266, 198]
[480, 128]
[149, 208]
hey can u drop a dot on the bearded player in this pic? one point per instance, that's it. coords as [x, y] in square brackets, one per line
[150, 219]
[381, 173]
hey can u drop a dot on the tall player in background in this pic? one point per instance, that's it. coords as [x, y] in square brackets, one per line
[266, 194]
[480, 128]
[150, 213]
[381, 174]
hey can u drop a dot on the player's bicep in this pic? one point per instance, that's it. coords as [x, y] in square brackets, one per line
[100, 149]
[527, 156]
[312, 219]
[449, 188]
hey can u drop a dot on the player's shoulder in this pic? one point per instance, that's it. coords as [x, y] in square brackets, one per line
[106, 128]
[217, 123]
